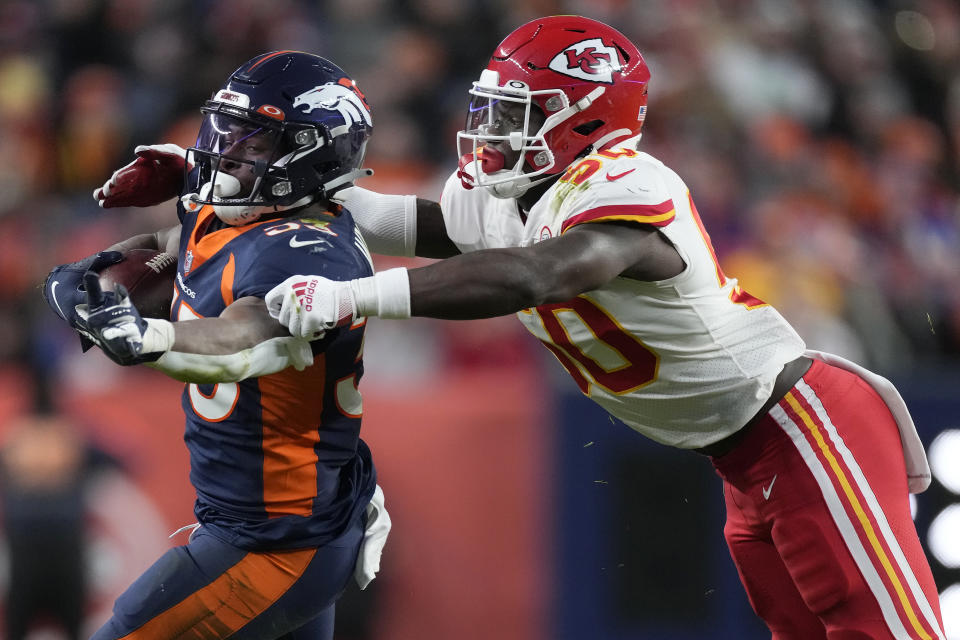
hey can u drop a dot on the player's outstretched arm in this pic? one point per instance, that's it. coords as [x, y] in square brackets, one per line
[496, 282]
[481, 284]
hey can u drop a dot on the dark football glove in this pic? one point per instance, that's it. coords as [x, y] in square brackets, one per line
[109, 320]
[64, 289]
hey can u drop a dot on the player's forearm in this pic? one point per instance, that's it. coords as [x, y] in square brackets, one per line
[496, 282]
[212, 336]
[241, 344]
[484, 284]
[242, 325]
[270, 356]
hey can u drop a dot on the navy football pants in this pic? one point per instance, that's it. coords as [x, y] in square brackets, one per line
[208, 590]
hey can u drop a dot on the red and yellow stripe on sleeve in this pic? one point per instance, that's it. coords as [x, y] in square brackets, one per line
[659, 215]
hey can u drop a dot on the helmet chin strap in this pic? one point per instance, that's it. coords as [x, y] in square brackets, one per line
[350, 176]
[623, 134]
[226, 185]
[520, 185]
[517, 187]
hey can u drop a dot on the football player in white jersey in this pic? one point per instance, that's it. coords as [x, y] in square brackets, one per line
[598, 248]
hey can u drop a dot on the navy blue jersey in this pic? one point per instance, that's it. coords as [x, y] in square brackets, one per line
[277, 461]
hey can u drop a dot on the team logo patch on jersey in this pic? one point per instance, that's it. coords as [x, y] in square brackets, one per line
[335, 97]
[588, 60]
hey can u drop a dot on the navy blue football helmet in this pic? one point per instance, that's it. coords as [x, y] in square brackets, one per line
[285, 129]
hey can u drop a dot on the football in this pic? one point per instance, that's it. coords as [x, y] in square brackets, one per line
[148, 276]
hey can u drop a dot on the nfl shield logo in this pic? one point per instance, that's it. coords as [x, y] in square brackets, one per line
[187, 262]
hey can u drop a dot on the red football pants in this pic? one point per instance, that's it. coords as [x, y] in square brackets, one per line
[818, 517]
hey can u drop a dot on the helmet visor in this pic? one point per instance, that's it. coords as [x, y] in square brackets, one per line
[239, 159]
[499, 119]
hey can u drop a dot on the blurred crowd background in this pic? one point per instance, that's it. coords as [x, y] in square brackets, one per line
[820, 140]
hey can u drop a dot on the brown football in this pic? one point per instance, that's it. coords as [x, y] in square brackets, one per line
[148, 276]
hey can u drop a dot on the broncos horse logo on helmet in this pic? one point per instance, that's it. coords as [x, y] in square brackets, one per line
[260, 152]
[334, 96]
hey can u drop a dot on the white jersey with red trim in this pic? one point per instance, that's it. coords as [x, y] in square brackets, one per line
[685, 361]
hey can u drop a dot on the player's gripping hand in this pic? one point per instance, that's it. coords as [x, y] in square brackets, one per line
[64, 287]
[154, 177]
[309, 306]
[109, 320]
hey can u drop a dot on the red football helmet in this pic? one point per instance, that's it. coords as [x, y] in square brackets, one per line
[589, 83]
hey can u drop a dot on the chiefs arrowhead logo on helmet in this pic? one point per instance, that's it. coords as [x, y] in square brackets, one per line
[588, 60]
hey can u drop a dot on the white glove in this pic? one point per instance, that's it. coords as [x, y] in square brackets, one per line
[375, 536]
[309, 306]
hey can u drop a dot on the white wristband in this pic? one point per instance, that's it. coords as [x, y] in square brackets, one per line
[159, 336]
[386, 294]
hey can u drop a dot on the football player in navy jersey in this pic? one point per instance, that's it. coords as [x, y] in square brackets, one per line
[287, 502]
